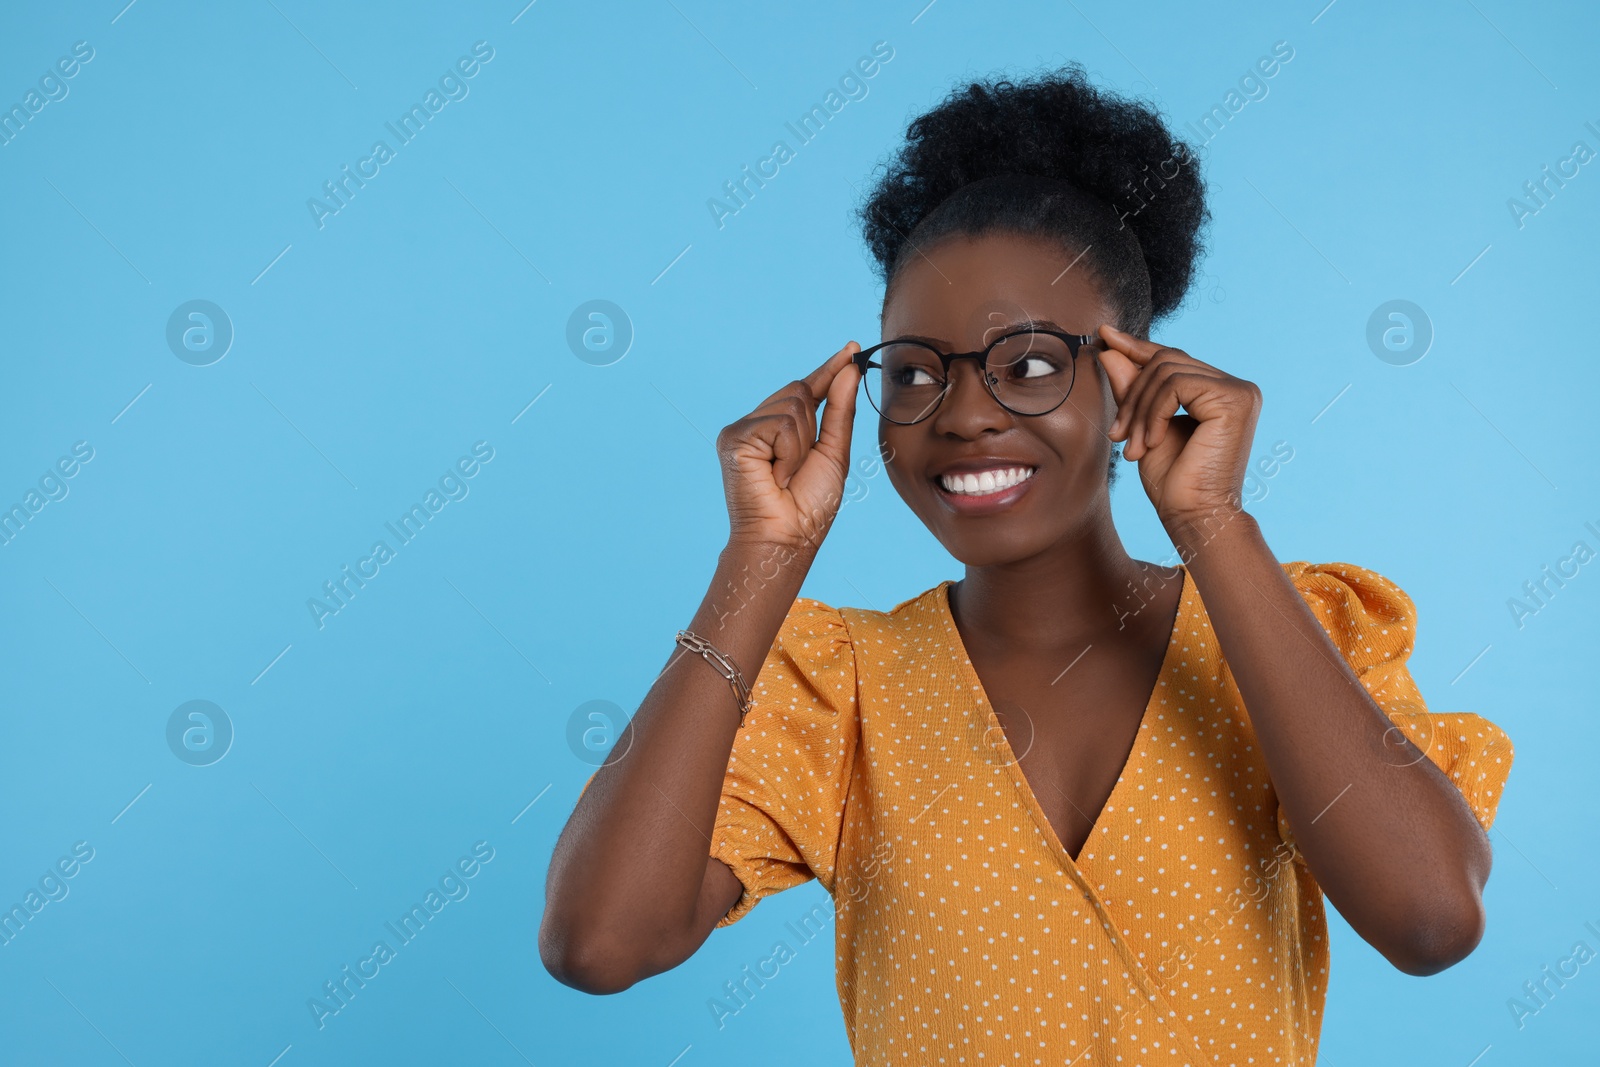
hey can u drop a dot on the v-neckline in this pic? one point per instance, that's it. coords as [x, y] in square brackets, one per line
[1009, 758]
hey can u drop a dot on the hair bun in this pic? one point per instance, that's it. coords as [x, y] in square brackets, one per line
[1053, 125]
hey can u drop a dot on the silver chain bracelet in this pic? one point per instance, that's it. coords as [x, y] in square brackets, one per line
[723, 665]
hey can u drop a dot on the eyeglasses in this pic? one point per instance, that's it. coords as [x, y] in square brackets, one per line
[1028, 372]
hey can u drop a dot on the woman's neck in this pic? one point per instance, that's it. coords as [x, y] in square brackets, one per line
[1080, 590]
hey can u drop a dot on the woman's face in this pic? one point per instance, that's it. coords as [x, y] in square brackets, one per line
[960, 295]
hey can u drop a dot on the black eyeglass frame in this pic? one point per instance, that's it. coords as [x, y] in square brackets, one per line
[1074, 341]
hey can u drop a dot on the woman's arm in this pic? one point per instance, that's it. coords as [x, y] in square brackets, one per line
[1387, 835]
[1395, 847]
[633, 889]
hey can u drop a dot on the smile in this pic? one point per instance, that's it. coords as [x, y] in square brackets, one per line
[984, 492]
[982, 483]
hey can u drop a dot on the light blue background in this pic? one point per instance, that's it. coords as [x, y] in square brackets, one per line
[432, 309]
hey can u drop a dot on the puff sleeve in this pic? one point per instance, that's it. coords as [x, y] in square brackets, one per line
[1373, 623]
[783, 796]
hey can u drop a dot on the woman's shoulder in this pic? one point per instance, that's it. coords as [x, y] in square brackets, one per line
[809, 615]
[827, 653]
[815, 630]
[1328, 576]
[1351, 601]
[822, 651]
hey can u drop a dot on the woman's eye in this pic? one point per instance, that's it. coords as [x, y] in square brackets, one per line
[1042, 367]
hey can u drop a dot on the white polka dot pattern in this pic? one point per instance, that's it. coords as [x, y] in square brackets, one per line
[1182, 934]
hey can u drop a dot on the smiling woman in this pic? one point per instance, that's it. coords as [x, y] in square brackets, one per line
[1079, 797]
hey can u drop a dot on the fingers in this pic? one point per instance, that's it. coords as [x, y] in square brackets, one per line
[801, 410]
[1152, 382]
[1157, 407]
[793, 431]
[1153, 398]
[1138, 369]
[1134, 418]
[1170, 385]
[783, 435]
[1125, 357]
[1129, 406]
[1137, 349]
[814, 386]
[821, 379]
[838, 414]
[1120, 371]
[802, 395]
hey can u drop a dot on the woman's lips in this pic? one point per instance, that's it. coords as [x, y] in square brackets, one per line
[983, 503]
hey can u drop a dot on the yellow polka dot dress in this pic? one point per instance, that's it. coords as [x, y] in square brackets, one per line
[1188, 931]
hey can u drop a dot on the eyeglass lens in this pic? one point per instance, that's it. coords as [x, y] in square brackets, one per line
[1031, 373]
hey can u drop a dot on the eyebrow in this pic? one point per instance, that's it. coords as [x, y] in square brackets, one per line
[1011, 327]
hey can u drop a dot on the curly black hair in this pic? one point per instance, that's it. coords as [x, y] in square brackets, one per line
[1052, 156]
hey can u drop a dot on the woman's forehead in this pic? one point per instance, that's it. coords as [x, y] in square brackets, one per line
[965, 289]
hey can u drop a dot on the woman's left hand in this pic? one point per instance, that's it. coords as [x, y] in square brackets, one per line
[1192, 465]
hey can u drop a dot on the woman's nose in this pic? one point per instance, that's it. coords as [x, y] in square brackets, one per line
[967, 399]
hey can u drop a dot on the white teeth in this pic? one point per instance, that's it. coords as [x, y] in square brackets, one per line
[984, 482]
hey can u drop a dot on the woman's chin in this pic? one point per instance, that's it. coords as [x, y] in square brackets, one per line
[994, 548]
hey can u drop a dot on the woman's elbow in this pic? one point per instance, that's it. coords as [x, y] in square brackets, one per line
[579, 963]
[1443, 937]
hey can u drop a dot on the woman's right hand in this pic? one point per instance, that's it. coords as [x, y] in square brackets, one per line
[785, 482]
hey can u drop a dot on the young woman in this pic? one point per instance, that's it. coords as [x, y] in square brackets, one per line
[1074, 807]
